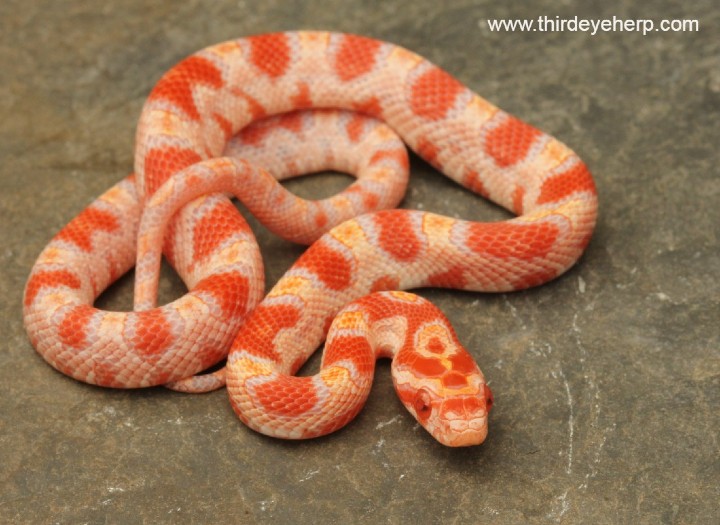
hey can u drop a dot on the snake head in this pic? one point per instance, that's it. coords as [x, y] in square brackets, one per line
[442, 387]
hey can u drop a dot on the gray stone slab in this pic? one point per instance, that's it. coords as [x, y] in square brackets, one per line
[606, 380]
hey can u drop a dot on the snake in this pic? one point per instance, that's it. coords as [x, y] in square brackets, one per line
[236, 118]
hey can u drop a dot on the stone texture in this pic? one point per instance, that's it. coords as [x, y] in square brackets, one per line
[606, 380]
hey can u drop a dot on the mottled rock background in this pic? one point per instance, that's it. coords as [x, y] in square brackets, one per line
[606, 380]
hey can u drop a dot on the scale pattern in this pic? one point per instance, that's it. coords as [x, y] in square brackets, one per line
[213, 108]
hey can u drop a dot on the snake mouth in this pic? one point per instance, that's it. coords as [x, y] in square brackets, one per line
[464, 433]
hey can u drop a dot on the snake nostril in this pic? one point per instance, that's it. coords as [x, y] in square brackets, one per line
[489, 398]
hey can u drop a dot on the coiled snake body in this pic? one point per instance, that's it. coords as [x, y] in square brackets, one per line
[186, 152]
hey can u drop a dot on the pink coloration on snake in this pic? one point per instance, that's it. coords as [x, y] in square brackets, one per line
[204, 129]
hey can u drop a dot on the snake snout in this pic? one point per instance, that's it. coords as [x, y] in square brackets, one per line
[473, 434]
[464, 421]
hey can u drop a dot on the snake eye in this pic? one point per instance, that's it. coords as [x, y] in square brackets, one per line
[423, 404]
[489, 399]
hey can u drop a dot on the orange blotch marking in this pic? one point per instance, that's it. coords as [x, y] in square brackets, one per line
[73, 328]
[434, 94]
[370, 107]
[225, 125]
[474, 183]
[162, 377]
[428, 151]
[177, 84]
[453, 277]
[49, 279]
[385, 283]
[427, 366]
[254, 135]
[259, 330]
[330, 266]
[517, 198]
[193, 180]
[355, 128]
[454, 380]
[510, 142]
[302, 99]
[105, 374]
[399, 155]
[397, 235]
[463, 363]
[214, 227]
[370, 201]
[256, 109]
[287, 396]
[292, 121]
[153, 333]
[436, 346]
[230, 289]
[80, 230]
[340, 421]
[353, 348]
[161, 163]
[270, 53]
[355, 57]
[321, 219]
[522, 241]
[559, 186]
